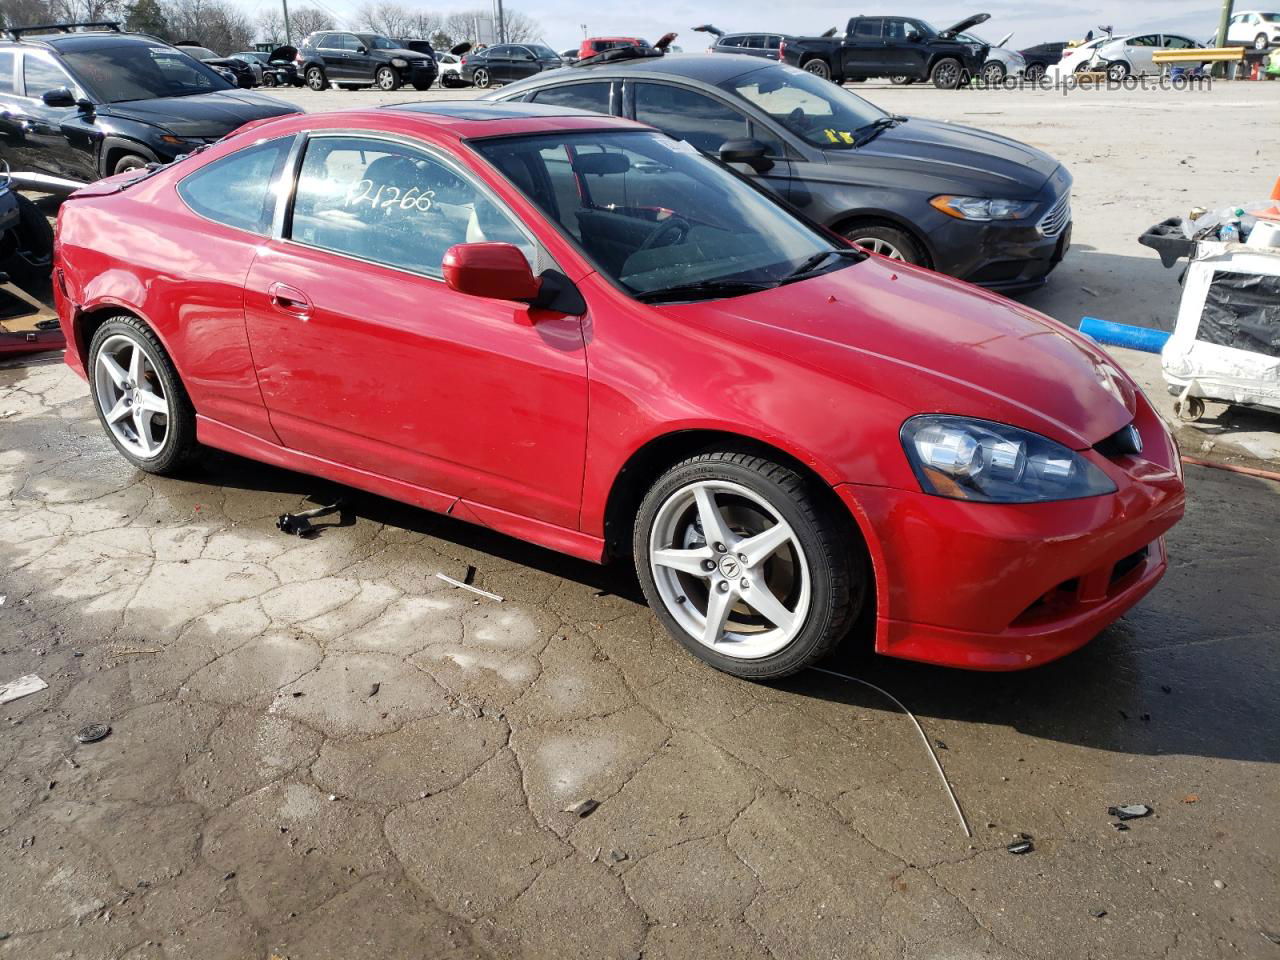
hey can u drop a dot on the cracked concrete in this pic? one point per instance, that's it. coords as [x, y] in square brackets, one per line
[236, 667]
[321, 750]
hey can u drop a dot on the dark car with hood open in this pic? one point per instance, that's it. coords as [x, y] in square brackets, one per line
[965, 202]
[84, 101]
[892, 47]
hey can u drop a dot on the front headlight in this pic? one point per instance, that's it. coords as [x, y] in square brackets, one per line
[173, 141]
[399, 62]
[966, 459]
[983, 208]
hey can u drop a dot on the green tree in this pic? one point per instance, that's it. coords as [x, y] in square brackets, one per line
[147, 16]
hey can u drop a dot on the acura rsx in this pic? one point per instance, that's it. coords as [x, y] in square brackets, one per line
[577, 331]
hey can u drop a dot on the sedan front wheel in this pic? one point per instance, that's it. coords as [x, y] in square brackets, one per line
[745, 564]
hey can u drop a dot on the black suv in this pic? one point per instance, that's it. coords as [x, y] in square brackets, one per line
[89, 101]
[335, 58]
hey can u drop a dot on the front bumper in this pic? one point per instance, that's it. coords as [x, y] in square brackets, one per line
[1010, 586]
[424, 75]
[1004, 255]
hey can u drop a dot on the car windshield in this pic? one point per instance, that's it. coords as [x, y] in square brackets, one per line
[657, 217]
[543, 53]
[375, 42]
[136, 71]
[820, 112]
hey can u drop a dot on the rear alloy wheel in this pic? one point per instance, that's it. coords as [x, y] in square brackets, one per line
[138, 396]
[744, 566]
[387, 79]
[887, 241]
[902, 81]
[1260, 42]
[819, 68]
[947, 73]
[1035, 72]
[316, 79]
[993, 73]
[1117, 71]
[481, 78]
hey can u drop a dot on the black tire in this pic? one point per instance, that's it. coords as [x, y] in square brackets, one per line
[818, 67]
[1034, 72]
[993, 73]
[35, 237]
[129, 161]
[947, 73]
[837, 574]
[316, 79]
[1261, 42]
[906, 246]
[419, 85]
[268, 79]
[902, 81]
[387, 79]
[180, 439]
[1117, 71]
[480, 78]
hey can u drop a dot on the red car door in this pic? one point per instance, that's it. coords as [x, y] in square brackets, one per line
[366, 358]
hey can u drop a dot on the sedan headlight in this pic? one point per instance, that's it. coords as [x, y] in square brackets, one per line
[983, 208]
[965, 459]
[399, 62]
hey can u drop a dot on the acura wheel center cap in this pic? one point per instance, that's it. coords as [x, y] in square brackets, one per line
[730, 567]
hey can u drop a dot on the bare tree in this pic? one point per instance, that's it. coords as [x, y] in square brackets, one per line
[24, 13]
[270, 26]
[522, 28]
[475, 25]
[385, 17]
[217, 24]
[305, 20]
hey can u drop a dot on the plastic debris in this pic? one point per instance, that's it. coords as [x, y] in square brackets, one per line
[22, 687]
[466, 586]
[1191, 798]
[299, 524]
[1021, 846]
[1097, 913]
[1121, 826]
[583, 808]
[374, 688]
[1130, 811]
[92, 733]
[1219, 885]
[617, 856]
[1270, 937]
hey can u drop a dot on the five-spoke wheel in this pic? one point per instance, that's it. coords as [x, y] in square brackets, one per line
[745, 566]
[138, 396]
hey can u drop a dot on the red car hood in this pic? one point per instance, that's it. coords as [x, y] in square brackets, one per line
[938, 345]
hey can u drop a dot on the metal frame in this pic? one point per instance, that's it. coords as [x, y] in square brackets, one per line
[15, 33]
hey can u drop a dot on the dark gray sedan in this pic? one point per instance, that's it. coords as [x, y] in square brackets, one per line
[968, 203]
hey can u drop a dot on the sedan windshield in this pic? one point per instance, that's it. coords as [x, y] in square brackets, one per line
[818, 111]
[658, 218]
[135, 71]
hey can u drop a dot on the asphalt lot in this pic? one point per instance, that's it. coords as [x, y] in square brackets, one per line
[320, 750]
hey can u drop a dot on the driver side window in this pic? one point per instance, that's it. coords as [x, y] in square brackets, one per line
[697, 119]
[40, 76]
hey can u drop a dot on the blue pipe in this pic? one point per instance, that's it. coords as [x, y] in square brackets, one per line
[1124, 335]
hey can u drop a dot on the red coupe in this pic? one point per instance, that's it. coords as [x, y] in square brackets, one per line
[577, 331]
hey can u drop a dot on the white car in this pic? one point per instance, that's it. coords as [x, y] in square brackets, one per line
[1001, 61]
[1255, 29]
[1133, 55]
[450, 70]
[1076, 59]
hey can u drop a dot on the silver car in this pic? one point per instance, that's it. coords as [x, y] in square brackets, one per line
[1134, 55]
[1001, 61]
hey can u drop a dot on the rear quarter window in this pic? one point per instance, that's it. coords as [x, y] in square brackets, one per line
[238, 190]
[6, 71]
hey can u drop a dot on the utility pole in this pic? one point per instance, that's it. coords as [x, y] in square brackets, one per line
[1223, 24]
[288, 38]
[502, 24]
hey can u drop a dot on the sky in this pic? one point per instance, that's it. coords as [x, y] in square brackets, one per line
[1032, 21]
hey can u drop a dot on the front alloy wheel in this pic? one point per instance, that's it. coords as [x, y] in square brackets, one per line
[387, 79]
[481, 78]
[1260, 42]
[744, 566]
[993, 73]
[947, 74]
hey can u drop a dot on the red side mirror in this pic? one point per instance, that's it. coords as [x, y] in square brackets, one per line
[498, 271]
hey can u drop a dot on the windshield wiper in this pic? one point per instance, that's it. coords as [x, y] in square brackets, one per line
[865, 134]
[704, 290]
[807, 268]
